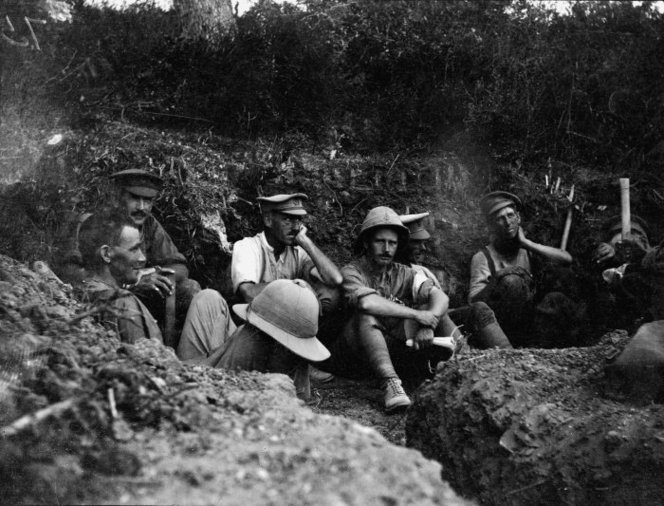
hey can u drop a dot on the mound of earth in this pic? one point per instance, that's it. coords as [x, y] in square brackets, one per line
[540, 427]
[87, 419]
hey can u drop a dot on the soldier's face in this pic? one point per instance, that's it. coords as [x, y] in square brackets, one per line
[417, 249]
[505, 223]
[382, 246]
[126, 257]
[284, 227]
[137, 208]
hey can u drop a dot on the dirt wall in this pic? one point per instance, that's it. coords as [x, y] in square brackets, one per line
[539, 427]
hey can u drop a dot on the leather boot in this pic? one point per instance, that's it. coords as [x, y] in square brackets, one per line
[492, 336]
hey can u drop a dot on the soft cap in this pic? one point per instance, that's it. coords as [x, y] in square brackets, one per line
[138, 182]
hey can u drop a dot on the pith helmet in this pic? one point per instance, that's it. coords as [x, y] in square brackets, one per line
[284, 203]
[415, 224]
[138, 182]
[287, 310]
[381, 217]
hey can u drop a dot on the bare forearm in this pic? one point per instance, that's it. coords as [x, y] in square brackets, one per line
[329, 272]
[556, 255]
[376, 305]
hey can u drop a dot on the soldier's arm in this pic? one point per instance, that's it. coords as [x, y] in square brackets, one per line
[329, 272]
[249, 290]
[556, 255]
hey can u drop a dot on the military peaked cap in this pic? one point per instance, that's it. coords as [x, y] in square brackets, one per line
[284, 203]
[138, 182]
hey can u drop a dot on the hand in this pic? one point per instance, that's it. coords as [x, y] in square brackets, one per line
[603, 252]
[521, 236]
[423, 339]
[155, 283]
[301, 235]
[426, 319]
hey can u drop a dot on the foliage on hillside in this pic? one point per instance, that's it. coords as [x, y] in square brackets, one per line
[528, 84]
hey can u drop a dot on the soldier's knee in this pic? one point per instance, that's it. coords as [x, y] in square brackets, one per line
[512, 284]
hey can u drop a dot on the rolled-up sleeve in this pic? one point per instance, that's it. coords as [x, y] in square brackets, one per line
[354, 285]
[422, 287]
[245, 263]
[479, 275]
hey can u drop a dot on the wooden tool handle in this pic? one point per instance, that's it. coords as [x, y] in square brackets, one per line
[170, 337]
[624, 208]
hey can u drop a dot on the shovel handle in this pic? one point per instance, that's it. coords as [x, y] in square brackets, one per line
[625, 218]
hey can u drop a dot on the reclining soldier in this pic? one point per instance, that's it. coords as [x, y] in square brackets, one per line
[136, 192]
[274, 338]
[112, 253]
[383, 296]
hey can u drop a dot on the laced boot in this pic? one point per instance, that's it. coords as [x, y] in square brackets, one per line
[395, 397]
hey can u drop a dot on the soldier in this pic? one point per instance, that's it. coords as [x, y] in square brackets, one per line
[623, 297]
[384, 295]
[477, 317]
[111, 250]
[274, 338]
[501, 273]
[615, 251]
[137, 190]
[282, 251]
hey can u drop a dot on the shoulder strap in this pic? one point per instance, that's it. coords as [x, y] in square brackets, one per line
[489, 259]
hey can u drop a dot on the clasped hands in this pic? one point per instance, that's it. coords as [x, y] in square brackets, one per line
[424, 336]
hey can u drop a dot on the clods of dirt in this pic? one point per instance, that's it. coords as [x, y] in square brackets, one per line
[87, 419]
[540, 427]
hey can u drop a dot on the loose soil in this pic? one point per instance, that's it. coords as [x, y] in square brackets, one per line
[540, 427]
[87, 419]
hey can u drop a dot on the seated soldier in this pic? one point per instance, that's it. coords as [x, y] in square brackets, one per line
[478, 317]
[623, 303]
[274, 338]
[283, 250]
[111, 251]
[501, 274]
[136, 192]
[615, 251]
[383, 295]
